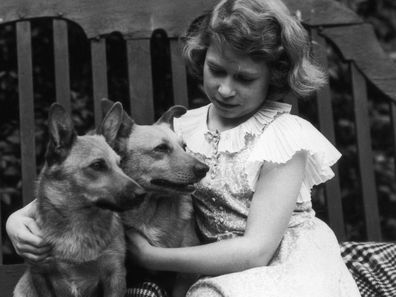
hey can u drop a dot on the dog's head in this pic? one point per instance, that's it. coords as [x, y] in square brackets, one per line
[155, 156]
[86, 168]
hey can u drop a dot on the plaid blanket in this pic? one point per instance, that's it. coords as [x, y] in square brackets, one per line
[373, 266]
[146, 289]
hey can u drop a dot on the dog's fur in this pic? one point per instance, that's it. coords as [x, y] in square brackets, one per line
[155, 157]
[78, 190]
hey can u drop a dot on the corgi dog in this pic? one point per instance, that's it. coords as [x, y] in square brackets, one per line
[79, 192]
[155, 157]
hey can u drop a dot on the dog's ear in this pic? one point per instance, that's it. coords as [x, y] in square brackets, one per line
[127, 122]
[106, 105]
[126, 126]
[111, 123]
[61, 133]
[173, 112]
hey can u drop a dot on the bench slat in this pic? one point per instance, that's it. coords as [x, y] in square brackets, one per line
[26, 110]
[179, 77]
[99, 75]
[139, 79]
[1, 229]
[359, 90]
[392, 107]
[61, 56]
[326, 123]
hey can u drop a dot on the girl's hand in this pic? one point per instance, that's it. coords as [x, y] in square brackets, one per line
[26, 236]
[139, 248]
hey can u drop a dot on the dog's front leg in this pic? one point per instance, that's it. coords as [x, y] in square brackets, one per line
[114, 277]
[114, 284]
[42, 285]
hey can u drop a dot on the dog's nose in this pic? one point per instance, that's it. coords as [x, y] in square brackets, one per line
[133, 201]
[135, 189]
[139, 192]
[200, 170]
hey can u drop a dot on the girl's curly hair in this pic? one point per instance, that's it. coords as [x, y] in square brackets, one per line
[265, 31]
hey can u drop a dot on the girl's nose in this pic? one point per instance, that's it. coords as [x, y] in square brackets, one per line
[226, 89]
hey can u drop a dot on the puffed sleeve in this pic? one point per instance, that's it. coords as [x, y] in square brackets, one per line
[285, 136]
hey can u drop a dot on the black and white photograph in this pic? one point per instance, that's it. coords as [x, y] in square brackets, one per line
[198, 148]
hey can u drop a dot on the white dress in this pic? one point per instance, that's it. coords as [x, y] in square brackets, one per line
[308, 261]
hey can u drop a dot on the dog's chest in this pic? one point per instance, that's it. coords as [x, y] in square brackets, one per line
[166, 227]
[79, 250]
[84, 244]
[78, 280]
[161, 219]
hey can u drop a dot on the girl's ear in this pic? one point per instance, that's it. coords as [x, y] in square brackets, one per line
[61, 134]
[173, 112]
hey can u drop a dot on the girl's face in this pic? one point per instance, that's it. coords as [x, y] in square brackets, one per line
[234, 83]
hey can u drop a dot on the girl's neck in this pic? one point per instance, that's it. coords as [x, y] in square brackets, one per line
[215, 122]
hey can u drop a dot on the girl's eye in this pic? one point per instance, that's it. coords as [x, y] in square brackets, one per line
[163, 148]
[216, 71]
[245, 80]
[98, 165]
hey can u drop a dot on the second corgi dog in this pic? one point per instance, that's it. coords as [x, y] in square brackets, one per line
[154, 156]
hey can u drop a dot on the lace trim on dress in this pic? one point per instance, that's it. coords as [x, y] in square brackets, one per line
[193, 129]
[282, 139]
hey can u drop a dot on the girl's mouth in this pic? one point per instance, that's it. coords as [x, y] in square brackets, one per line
[225, 105]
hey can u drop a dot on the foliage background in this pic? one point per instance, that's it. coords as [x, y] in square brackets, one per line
[380, 13]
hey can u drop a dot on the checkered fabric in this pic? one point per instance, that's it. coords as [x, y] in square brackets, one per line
[373, 266]
[146, 289]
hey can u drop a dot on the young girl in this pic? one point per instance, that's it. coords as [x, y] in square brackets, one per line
[253, 210]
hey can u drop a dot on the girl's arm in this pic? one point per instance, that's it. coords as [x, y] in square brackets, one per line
[25, 234]
[270, 211]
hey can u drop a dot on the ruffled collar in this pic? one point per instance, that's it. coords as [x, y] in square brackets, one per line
[199, 139]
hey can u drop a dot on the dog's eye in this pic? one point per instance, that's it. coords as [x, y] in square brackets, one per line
[163, 148]
[184, 146]
[98, 165]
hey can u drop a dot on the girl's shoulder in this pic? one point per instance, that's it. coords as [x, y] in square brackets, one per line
[286, 135]
[289, 122]
[289, 133]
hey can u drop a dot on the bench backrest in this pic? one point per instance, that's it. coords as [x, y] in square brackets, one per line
[135, 21]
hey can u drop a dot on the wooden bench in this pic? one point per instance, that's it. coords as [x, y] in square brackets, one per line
[135, 21]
